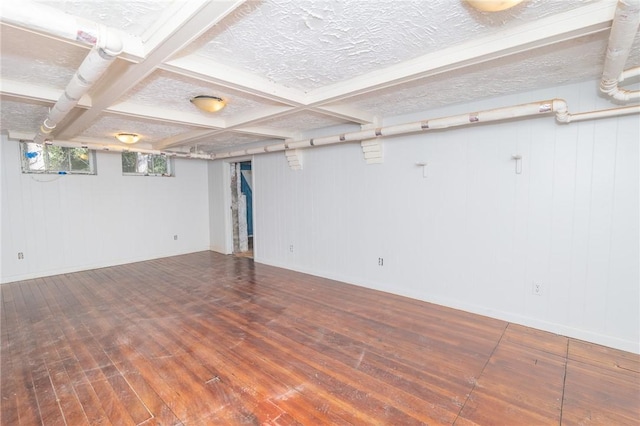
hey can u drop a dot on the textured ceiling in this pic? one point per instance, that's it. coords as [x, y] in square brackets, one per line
[27, 57]
[150, 131]
[349, 38]
[289, 67]
[133, 17]
[532, 70]
[174, 92]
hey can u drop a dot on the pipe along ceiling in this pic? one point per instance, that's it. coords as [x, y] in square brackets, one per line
[108, 45]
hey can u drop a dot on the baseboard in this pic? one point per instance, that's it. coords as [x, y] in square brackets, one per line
[556, 328]
[97, 265]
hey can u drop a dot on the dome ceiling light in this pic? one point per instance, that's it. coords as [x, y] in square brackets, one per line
[208, 103]
[128, 138]
[493, 5]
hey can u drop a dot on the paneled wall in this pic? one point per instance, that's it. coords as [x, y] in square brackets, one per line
[69, 223]
[474, 234]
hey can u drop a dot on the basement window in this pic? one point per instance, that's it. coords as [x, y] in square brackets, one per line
[140, 164]
[39, 158]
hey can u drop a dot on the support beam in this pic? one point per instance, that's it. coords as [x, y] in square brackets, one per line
[294, 158]
[19, 89]
[372, 150]
[202, 20]
[163, 115]
[346, 113]
[248, 119]
[225, 76]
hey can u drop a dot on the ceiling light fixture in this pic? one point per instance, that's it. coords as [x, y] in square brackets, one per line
[493, 5]
[128, 138]
[208, 103]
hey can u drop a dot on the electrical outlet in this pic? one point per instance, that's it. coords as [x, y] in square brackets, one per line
[20, 255]
[291, 248]
[175, 237]
[380, 261]
[537, 288]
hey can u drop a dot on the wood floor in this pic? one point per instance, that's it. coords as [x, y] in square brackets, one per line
[206, 339]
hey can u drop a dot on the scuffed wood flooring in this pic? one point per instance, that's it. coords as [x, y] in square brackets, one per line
[206, 339]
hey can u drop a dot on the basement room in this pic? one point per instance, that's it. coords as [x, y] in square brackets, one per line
[320, 212]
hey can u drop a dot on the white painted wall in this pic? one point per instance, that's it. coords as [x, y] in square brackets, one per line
[475, 235]
[70, 223]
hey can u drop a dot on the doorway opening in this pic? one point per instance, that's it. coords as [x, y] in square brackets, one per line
[242, 208]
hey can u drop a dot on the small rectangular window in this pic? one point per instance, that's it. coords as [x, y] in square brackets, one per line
[38, 158]
[140, 164]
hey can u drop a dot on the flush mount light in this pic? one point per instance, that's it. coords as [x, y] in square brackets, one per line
[493, 5]
[128, 138]
[208, 103]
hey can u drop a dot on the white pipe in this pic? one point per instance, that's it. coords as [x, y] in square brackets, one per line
[630, 73]
[613, 112]
[91, 69]
[121, 148]
[623, 30]
[107, 45]
[276, 147]
[556, 106]
[94, 65]
[252, 151]
[535, 108]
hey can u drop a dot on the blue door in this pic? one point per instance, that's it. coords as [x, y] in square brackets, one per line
[245, 187]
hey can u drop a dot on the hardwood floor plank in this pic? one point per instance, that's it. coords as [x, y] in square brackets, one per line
[70, 389]
[62, 383]
[26, 400]
[592, 354]
[538, 340]
[520, 384]
[96, 379]
[602, 386]
[8, 387]
[66, 395]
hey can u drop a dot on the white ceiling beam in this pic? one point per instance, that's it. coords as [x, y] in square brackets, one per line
[266, 132]
[199, 22]
[172, 19]
[184, 139]
[84, 140]
[243, 123]
[189, 137]
[210, 72]
[19, 89]
[225, 76]
[15, 135]
[246, 120]
[345, 112]
[166, 115]
[579, 22]
[260, 115]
